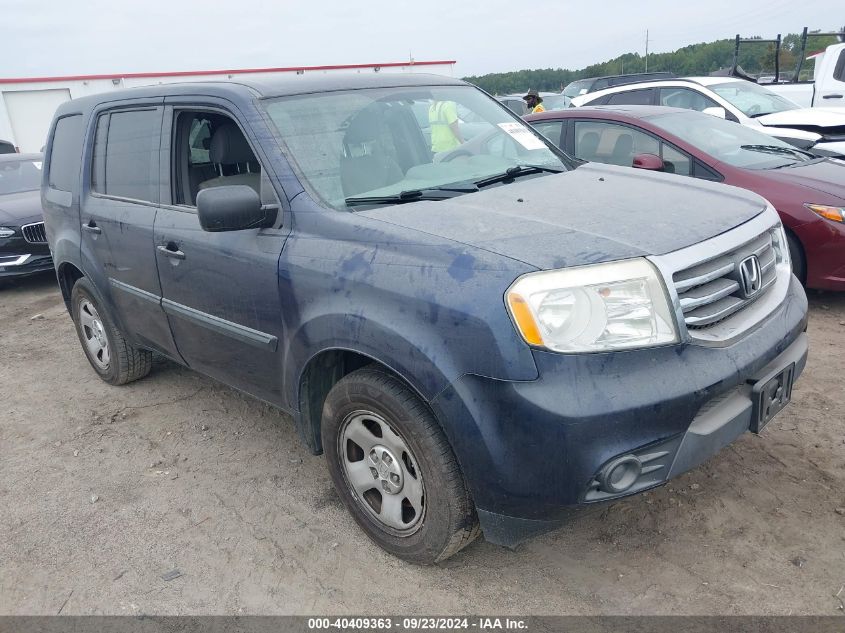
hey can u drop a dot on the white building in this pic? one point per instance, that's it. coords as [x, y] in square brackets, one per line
[27, 104]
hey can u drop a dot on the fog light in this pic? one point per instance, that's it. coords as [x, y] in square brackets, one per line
[620, 474]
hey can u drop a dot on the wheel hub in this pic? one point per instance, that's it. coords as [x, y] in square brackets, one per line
[99, 334]
[385, 469]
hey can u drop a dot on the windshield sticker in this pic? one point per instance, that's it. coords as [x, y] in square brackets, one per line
[521, 135]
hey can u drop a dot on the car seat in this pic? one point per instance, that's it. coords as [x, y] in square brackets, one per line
[366, 165]
[622, 151]
[228, 148]
[588, 146]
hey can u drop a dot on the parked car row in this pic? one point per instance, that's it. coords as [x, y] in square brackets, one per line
[481, 339]
[819, 130]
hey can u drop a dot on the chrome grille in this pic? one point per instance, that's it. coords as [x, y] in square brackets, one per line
[34, 233]
[712, 291]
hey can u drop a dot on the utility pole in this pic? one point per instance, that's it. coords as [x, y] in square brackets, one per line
[646, 50]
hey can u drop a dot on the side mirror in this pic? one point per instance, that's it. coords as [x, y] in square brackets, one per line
[718, 111]
[232, 208]
[648, 161]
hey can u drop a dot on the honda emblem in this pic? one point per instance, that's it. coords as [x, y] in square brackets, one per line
[750, 276]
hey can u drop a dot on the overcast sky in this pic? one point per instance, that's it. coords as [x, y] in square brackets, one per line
[74, 37]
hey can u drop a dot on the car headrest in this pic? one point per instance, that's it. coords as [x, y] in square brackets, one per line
[228, 146]
[366, 126]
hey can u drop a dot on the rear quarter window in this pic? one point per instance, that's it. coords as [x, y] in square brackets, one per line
[632, 97]
[66, 153]
[839, 70]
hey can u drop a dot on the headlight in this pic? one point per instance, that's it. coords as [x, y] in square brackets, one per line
[780, 246]
[835, 214]
[6, 231]
[619, 305]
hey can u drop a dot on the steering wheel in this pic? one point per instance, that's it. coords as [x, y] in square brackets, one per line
[755, 109]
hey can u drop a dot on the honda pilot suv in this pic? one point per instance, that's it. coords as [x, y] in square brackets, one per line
[479, 339]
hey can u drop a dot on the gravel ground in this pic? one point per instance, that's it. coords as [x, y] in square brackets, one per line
[104, 490]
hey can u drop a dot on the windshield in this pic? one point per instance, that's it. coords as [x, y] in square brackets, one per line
[730, 142]
[577, 88]
[752, 99]
[556, 102]
[385, 141]
[19, 175]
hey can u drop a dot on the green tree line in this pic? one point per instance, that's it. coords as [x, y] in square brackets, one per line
[695, 59]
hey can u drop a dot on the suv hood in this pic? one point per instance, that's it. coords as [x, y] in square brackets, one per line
[19, 208]
[592, 214]
[808, 119]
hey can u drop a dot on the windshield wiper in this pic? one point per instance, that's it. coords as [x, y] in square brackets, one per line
[777, 149]
[515, 172]
[412, 195]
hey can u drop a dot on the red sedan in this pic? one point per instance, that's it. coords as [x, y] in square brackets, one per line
[808, 192]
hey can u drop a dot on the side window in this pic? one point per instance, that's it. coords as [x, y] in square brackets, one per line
[209, 150]
[700, 170]
[66, 154]
[612, 143]
[686, 99]
[550, 129]
[632, 97]
[839, 70]
[675, 161]
[125, 151]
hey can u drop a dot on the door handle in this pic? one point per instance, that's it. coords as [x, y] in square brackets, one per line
[831, 96]
[173, 252]
[92, 227]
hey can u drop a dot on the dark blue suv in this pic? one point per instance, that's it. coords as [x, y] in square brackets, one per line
[479, 332]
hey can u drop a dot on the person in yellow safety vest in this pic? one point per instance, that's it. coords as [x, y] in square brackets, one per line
[445, 132]
[534, 102]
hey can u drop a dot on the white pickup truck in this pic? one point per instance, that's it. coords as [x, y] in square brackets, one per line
[828, 89]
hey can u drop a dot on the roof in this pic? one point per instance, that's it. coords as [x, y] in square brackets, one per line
[239, 71]
[272, 87]
[293, 85]
[709, 81]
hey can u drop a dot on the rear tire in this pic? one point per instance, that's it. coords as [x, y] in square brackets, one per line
[796, 256]
[394, 468]
[114, 359]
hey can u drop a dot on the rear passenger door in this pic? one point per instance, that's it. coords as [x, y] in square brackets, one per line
[117, 214]
[220, 290]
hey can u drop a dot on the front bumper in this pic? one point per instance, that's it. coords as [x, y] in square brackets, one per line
[21, 264]
[531, 450]
[19, 257]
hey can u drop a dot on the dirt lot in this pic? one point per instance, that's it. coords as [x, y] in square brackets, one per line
[105, 489]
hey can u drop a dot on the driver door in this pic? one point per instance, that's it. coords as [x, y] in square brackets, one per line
[220, 290]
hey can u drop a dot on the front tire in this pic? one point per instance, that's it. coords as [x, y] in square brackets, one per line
[114, 359]
[394, 469]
